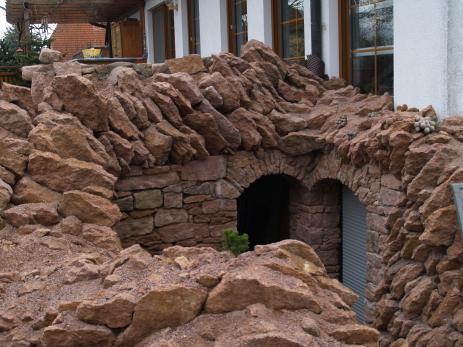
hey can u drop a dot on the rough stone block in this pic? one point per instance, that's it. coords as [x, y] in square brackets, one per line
[181, 232]
[165, 217]
[134, 227]
[125, 204]
[148, 199]
[217, 205]
[173, 200]
[209, 169]
[147, 182]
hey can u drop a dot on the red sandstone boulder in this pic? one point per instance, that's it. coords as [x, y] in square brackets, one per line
[440, 227]
[184, 83]
[287, 123]
[100, 236]
[67, 174]
[182, 150]
[5, 194]
[114, 312]
[302, 142]
[236, 291]
[158, 144]
[11, 159]
[243, 121]
[89, 208]
[20, 96]
[161, 308]
[167, 106]
[182, 103]
[229, 132]
[229, 94]
[67, 331]
[119, 122]
[64, 135]
[44, 214]
[356, 335]
[28, 191]
[190, 64]
[14, 119]
[207, 127]
[417, 297]
[80, 97]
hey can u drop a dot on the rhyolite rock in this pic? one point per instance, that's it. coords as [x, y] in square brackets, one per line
[89, 208]
[61, 174]
[48, 56]
[36, 213]
[14, 119]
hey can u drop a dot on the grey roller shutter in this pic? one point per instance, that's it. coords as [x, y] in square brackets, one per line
[354, 248]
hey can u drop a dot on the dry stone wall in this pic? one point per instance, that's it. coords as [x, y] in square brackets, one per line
[160, 153]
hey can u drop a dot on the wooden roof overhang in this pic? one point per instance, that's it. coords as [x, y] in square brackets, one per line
[69, 11]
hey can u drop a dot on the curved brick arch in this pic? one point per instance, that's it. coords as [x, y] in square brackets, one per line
[245, 168]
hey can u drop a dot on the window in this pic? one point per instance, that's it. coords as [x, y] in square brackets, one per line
[368, 45]
[288, 31]
[193, 27]
[237, 24]
[163, 33]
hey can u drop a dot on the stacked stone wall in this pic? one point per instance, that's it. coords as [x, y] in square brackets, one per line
[315, 218]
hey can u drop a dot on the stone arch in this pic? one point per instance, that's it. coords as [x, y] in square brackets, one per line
[373, 190]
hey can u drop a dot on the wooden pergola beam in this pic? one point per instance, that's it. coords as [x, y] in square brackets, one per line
[70, 11]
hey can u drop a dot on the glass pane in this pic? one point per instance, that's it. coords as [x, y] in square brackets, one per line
[292, 29]
[372, 40]
[159, 43]
[385, 30]
[172, 35]
[240, 24]
[385, 73]
[194, 35]
[293, 40]
[316, 27]
[363, 27]
[363, 73]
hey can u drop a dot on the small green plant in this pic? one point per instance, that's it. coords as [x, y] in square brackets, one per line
[234, 242]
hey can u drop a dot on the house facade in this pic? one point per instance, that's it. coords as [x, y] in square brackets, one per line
[409, 49]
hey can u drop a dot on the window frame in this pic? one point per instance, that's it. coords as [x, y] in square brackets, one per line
[232, 34]
[346, 56]
[277, 30]
[194, 36]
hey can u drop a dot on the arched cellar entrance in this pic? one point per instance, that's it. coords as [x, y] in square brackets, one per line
[263, 210]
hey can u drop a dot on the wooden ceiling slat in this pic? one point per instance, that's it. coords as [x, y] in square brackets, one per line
[71, 11]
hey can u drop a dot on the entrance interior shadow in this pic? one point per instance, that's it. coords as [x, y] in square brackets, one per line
[263, 210]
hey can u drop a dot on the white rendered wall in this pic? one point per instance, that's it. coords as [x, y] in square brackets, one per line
[182, 47]
[330, 36]
[260, 21]
[213, 26]
[455, 57]
[420, 54]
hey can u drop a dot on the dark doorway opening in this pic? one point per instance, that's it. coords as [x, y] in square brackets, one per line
[263, 210]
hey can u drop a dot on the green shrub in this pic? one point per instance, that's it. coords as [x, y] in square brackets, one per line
[234, 242]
